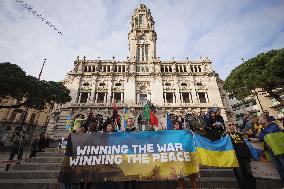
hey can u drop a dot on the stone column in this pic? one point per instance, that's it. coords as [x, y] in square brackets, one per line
[122, 97]
[137, 98]
[207, 98]
[109, 91]
[105, 98]
[96, 97]
[194, 96]
[79, 99]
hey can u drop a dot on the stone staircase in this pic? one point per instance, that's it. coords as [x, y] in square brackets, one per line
[42, 172]
[57, 129]
[38, 172]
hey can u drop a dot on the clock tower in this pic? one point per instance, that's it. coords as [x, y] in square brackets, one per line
[142, 36]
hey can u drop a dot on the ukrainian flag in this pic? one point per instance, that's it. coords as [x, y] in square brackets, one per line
[275, 142]
[219, 153]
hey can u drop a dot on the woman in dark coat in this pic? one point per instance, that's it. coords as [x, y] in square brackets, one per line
[214, 126]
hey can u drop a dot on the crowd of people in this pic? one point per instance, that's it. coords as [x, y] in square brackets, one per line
[210, 125]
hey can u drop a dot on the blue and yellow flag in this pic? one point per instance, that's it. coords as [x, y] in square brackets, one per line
[219, 153]
[69, 123]
[275, 142]
[124, 120]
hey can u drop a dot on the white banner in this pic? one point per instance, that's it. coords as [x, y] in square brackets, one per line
[264, 170]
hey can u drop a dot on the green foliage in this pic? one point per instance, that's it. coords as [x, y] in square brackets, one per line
[28, 90]
[266, 71]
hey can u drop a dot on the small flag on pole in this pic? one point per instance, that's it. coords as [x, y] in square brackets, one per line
[153, 119]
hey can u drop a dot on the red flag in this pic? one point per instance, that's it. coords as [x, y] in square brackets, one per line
[154, 119]
[115, 115]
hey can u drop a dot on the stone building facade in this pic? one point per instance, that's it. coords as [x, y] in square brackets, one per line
[258, 103]
[30, 122]
[173, 86]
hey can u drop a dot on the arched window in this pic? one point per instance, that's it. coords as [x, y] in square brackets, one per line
[198, 84]
[86, 84]
[147, 69]
[138, 69]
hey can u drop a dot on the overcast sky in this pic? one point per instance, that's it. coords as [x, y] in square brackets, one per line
[225, 31]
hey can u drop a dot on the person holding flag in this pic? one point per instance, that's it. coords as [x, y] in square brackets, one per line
[116, 117]
[150, 117]
[273, 138]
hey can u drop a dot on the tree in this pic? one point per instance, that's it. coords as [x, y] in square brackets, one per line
[27, 90]
[265, 71]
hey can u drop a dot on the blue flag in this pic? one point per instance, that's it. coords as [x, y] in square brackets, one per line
[169, 122]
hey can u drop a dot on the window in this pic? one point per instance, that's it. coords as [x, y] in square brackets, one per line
[201, 97]
[169, 98]
[84, 97]
[102, 84]
[199, 84]
[142, 52]
[101, 97]
[138, 53]
[199, 68]
[143, 98]
[185, 98]
[146, 68]
[117, 97]
[146, 52]
[86, 84]
[183, 84]
[118, 84]
[140, 20]
[167, 84]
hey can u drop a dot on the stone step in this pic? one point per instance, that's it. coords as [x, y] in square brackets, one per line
[50, 154]
[30, 174]
[62, 121]
[37, 166]
[30, 184]
[224, 182]
[54, 150]
[206, 172]
[267, 184]
[44, 160]
[156, 185]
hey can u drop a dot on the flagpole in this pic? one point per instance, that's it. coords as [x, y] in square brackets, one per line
[41, 69]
